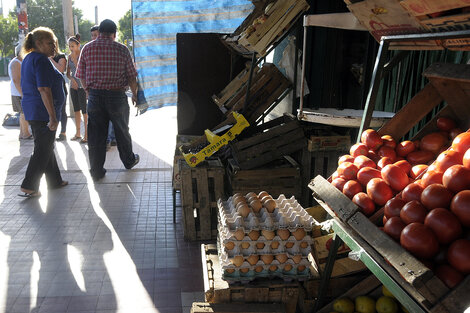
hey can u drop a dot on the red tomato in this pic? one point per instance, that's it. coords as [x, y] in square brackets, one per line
[433, 142]
[351, 188]
[456, 178]
[395, 177]
[404, 165]
[420, 157]
[388, 152]
[389, 141]
[345, 158]
[458, 255]
[454, 133]
[412, 212]
[444, 224]
[363, 201]
[417, 170]
[367, 173]
[339, 183]
[412, 192]
[405, 147]
[384, 162]
[417, 143]
[460, 206]
[379, 191]
[384, 220]
[362, 161]
[436, 196]
[393, 207]
[461, 143]
[466, 159]
[393, 227]
[373, 156]
[358, 149]
[347, 170]
[445, 124]
[371, 139]
[446, 159]
[333, 176]
[431, 177]
[419, 240]
[449, 275]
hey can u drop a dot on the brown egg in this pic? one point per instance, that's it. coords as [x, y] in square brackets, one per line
[304, 245]
[239, 234]
[283, 233]
[299, 233]
[270, 205]
[289, 244]
[301, 268]
[245, 245]
[256, 205]
[237, 260]
[254, 235]
[287, 268]
[253, 259]
[263, 194]
[258, 269]
[250, 194]
[268, 234]
[282, 258]
[248, 200]
[273, 268]
[274, 245]
[230, 245]
[238, 199]
[237, 195]
[267, 258]
[243, 210]
[245, 270]
[297, 258]
[266, 198]
[260, 245]
[230, 270]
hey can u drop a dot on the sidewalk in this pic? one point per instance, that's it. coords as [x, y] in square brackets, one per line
[101, 247]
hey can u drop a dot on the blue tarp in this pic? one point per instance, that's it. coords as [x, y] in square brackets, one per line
[155, 25]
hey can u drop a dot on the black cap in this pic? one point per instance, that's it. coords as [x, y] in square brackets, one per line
[107, 26]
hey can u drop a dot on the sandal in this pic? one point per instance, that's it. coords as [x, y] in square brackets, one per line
[62, 184]
[83, 141]
[29, 195]
[75, 138]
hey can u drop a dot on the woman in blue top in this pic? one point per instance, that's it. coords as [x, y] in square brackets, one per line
[43, 97]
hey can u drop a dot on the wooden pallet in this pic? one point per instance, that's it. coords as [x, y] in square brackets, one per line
[285, 138]
[279, 177]
[267, 88]
[449, 82]
[180, 140]
[201, 187]
[203, 307]
[258, 291]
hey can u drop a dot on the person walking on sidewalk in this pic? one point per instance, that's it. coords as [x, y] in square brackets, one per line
[60, 62]
[14, 71]
[106, 70]
[43, 98]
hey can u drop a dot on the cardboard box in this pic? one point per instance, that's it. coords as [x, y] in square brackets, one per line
[423, 7]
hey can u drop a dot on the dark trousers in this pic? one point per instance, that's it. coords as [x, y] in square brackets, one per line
[63, 119]
[43, 160]
[105, 106]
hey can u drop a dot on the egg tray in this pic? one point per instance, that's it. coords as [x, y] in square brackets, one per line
[288, 214]
[260, 270]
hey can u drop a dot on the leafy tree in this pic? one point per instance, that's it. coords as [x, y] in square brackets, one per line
[8, 35]
[125, 29]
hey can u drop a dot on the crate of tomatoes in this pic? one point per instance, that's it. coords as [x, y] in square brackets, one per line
[410, 199]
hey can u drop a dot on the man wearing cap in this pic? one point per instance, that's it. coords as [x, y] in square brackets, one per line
[106, 70]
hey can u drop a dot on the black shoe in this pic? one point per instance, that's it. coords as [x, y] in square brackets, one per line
[98, 177]
[137, 159]
[61, 137]
[113, 142]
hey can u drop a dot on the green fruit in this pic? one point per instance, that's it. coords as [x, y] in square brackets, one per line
[343, 305]
[386, 305]
[387, 292]
[365, 304]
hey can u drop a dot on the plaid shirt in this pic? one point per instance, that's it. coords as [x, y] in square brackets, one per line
[105, 64]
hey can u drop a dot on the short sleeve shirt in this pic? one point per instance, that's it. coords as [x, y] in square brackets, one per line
[105, 64]
[38, 71]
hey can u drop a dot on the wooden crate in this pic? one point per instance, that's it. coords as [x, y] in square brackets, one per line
[268, 87]
[201, 187]
[180, 140]
[449, 82]
[204, 307]
[279, 177]
[284, 138]
[258, 291]
[278, 19]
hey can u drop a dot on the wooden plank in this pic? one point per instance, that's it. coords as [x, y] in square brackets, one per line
[420, 105]
[334, 199]
[334, 20]
[187, 201]
[457, 300]
[204, 204]
[345, 266]
[203, 307]
[455, 72]
[453, 94]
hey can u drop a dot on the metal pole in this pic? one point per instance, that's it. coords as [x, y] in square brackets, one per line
[75, 18]
[96, 15]
[68, 18]
[21, 10]
[302, 79]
